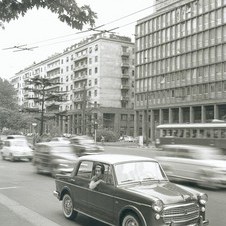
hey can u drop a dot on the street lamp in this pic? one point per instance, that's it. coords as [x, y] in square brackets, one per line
[95, 131]
[34, 124]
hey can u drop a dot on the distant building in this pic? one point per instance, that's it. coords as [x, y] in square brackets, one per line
[180, 64]
[97, 75]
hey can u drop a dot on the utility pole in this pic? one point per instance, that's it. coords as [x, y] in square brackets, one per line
[84, 96]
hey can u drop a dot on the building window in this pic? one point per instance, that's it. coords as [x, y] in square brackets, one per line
[95, 81]
[96, 47]
[96, 58]
[90, 60]
[95, 93]
[123, 117]
[96, 70]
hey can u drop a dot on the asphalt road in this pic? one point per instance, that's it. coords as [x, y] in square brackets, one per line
[26, 198]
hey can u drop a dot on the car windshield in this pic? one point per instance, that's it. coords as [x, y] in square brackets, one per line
[137, 172]
[19, 143]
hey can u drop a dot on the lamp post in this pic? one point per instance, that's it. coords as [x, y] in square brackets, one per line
[34, 124]
[95, 131]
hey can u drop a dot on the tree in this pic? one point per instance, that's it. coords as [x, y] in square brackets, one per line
[10, 117]
[68, 11]
[41, 87]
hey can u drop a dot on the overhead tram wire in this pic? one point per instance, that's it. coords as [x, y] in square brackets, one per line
[95, 29]
[100, 26]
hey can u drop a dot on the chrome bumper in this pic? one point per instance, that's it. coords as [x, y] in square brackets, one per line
[201, 222]
[56, 194]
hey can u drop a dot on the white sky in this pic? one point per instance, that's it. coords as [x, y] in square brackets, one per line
[37, 26]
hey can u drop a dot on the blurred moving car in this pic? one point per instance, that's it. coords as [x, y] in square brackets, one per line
[18, 137]
[85, 145]
[60, 139]
[202, 165]
[16, 149]
[127, 138]
[134, 191]
[54, 157]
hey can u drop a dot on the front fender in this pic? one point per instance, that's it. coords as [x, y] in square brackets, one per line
[130, 208]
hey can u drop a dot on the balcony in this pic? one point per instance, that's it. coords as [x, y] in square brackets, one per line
[80, 58]
[78, 89]
[78, 99]
[125, 87]
[81, 67]
[125, 64]
[80, 78]
[125, 76]
[124, 98]
[125, 54]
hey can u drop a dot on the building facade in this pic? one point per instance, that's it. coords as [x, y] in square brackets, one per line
[180, 64]
[97, 76]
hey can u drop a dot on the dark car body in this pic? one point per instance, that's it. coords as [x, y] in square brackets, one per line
[54, 157]
[84, 145]
[126, 199]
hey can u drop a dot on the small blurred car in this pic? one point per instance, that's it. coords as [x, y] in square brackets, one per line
[54, 158]
[127, 139]
[16, 149]
[18, 137]
[60, 139]
[134, 191]
[85, 145]
[200, 164]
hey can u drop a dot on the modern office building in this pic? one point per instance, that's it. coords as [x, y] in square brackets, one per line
[180, 64]
[97, 77]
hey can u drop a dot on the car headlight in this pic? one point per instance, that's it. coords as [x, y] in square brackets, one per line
[203, 198]
[157, 206]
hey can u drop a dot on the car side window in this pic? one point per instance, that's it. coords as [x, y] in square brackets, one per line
[109, 179]
[85, 169]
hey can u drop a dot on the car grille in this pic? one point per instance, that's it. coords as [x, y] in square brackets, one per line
[181, 214]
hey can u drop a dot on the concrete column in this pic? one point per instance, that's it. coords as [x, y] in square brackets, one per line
[170, 116]
[203, 114]
[216, 111]
[144, 124]
[180, 115]
[152, 126]
[160, 116]
[136, 123]
[191, 114]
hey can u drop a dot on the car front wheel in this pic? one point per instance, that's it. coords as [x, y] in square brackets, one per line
[131, 220]
[68, 207]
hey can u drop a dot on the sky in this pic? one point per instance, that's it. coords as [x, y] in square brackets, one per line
[42, 29]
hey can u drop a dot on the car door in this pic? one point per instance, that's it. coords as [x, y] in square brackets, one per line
[101, 199]
[6, 148]
[80, 188]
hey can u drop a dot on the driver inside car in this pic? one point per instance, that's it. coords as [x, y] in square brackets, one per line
[98, 176]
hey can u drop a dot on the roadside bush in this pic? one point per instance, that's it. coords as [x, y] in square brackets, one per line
[109, 136]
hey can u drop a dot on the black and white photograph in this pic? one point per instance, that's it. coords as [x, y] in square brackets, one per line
[112, 113]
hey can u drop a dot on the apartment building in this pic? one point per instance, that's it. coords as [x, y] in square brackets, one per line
[97, 77]
[180, 64]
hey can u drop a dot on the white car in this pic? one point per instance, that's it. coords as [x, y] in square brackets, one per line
[15, 149]
[205, 166]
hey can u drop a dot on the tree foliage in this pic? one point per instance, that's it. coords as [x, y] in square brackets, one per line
[68, 11]
[41, 88]
[7, 95]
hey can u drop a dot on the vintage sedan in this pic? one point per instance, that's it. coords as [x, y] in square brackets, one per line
[134, 191]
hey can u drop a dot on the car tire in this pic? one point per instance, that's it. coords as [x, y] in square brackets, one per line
[131, 219]
[3, 157]
[68, 207]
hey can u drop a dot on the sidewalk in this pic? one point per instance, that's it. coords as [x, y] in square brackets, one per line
[14, 214]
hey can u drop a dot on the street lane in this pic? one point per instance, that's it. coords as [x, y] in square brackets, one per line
[20, 183]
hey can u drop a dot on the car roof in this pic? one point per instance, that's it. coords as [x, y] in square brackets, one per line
[114, 158]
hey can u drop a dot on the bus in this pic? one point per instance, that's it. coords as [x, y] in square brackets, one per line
[206, 134]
